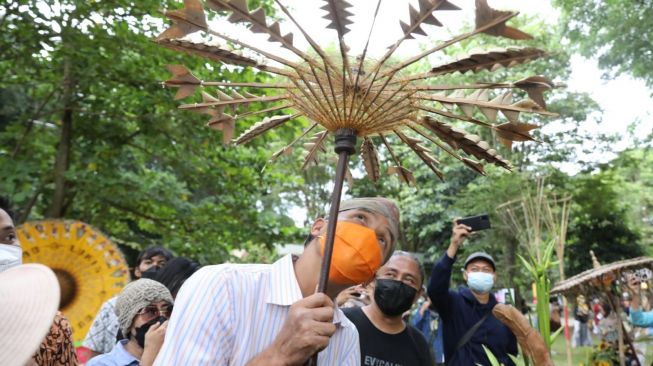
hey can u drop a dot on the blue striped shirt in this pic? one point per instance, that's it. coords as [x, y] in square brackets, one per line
[227, 314]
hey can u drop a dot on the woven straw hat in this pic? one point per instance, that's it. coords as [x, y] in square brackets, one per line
[29, 298]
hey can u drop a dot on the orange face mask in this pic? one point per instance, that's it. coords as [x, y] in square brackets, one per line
[356, 254]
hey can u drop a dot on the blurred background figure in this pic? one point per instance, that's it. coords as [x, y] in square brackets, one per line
[353, 297]
[104, 331]
[555, 311]
[582, 314]
[150, 261]
[175, 273]
[427, 320]
[597, 310]
[143, 308]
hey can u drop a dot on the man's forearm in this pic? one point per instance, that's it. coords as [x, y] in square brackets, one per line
[452, 250]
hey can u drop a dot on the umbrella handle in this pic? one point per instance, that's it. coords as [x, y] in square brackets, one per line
[345, 146]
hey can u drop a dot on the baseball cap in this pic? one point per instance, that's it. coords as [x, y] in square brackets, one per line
[480, 255]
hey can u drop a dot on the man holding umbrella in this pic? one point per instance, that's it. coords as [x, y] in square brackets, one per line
[259, 314]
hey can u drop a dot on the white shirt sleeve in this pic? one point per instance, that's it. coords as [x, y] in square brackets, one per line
[200, 331]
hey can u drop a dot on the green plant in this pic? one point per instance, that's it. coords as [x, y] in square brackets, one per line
[495, 362]
[604, 354]
[539, 268]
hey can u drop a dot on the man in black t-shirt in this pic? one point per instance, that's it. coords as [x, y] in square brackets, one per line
[385, 339]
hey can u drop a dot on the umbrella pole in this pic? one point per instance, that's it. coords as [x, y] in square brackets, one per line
[345, 146]
[565, 312]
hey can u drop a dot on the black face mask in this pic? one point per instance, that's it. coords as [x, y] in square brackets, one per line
[150, 272]
[140, 331]
[393, 297]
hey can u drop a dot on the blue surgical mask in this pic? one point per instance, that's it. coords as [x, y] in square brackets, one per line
[480, 282]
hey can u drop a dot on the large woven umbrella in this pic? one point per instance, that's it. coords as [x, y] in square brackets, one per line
[601, 279]
[89, 267]
[379, 101]
[596, 279]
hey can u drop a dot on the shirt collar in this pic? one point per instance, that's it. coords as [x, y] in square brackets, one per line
[284, 289]
[121, 356]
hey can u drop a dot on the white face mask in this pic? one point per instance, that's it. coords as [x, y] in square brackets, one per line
[10, 256]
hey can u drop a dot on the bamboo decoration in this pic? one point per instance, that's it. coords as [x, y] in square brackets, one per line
[537, 218]
[376, 99]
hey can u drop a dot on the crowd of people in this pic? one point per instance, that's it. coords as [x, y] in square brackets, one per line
[175, 312]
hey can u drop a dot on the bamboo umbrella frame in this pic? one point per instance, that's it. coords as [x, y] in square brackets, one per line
[354, 98]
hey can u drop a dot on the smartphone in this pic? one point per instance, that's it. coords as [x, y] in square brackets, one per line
[478, 222]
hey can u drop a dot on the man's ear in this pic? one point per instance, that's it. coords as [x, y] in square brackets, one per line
[419, 294]
[465, 275]
[318, 226]
[137, 271]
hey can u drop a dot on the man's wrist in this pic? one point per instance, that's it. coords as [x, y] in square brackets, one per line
[270, 357]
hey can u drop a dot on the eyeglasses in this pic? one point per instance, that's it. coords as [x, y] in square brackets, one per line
[151, 312]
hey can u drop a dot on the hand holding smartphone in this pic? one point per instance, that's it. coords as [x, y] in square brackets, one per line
[477, 223]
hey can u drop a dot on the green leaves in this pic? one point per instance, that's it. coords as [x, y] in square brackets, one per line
[139, 169]
[539, 271]
[618, 32]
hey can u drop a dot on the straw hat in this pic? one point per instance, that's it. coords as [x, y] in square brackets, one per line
[29, 297]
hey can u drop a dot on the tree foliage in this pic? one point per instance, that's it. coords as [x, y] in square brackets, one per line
[87, 132]
[620, 33]
[600, 222]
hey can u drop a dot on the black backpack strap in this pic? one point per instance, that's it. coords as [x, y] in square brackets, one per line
[468, 335]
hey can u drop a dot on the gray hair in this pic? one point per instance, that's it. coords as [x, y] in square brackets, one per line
[401, 253]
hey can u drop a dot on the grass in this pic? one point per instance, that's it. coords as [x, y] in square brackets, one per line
[579, 355]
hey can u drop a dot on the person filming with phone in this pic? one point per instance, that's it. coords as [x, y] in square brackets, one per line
[466, 313]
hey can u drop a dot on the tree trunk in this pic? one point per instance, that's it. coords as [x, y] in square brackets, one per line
[62, 159]
[30, 205]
